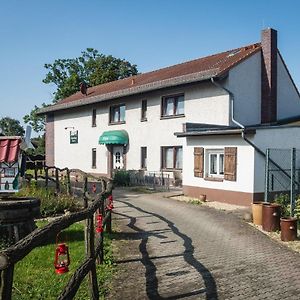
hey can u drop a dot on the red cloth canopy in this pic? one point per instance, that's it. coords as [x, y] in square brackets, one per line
[9, 149]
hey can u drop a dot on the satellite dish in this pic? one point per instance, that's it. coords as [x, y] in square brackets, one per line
[83, 88]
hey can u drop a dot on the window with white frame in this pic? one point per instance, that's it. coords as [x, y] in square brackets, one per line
[215, 163]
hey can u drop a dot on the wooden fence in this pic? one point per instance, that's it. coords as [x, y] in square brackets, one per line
[93, 246]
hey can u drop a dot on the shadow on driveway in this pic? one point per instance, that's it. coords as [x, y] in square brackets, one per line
[152, 282]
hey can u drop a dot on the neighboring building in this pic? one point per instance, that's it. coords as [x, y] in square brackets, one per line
[10, 155]
[201, 117]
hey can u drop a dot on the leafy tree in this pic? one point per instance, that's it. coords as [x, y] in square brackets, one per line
[36, 122]
[91, 67]
[10, 126]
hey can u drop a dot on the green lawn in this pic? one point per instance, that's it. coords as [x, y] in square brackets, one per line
[35, 277]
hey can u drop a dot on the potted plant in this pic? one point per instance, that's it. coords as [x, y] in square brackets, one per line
[288, 224]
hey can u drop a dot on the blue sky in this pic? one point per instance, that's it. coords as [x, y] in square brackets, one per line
[151, 34]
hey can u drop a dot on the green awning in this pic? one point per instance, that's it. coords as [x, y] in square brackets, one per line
[114, 137]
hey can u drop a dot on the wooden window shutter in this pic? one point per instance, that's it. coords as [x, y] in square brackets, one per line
[198, 161]
[230, 155]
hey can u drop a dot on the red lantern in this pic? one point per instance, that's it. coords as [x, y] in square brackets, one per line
[99, 223]
[94, 189]
[62, 259]
[110, 205]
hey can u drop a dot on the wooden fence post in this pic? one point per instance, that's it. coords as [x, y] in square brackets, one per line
[46, 177]
[57, 187]
[68, 182]
[6, 283]
[89, 239]
[35, 171]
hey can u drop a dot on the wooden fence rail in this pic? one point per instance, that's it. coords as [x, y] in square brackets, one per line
[10, 256]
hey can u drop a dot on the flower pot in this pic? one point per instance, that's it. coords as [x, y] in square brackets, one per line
[202, 197]
[271, 216]
[257, 213]
[288, 229]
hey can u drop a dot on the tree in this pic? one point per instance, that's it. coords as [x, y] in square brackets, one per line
[91, 67]
[11, 127]
[36, 122]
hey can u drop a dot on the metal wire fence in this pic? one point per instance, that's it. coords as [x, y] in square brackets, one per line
[282, 174]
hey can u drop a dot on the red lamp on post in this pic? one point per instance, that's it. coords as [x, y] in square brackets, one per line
[99, 223]
[110, 205]
[62, 259]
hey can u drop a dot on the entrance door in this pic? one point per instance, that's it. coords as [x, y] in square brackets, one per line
[118, 162]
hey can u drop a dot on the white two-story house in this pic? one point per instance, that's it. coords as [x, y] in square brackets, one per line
[210, 118]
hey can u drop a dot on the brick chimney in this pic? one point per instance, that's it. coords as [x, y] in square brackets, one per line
[269, 76]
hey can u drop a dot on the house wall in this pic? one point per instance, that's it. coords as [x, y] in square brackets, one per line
[288, 100]
[244, 81]
[237, 192]
[200, 101]
[281, 138]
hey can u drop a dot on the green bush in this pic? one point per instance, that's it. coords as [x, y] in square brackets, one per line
[121, 178]
[51, 203]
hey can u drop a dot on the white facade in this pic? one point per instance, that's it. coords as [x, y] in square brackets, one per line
[205, 102]
[245, 163]
[199, 101]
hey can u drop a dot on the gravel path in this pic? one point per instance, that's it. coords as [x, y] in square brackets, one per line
[173, 250]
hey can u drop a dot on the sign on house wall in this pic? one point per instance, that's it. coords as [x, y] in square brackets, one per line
[74, 137]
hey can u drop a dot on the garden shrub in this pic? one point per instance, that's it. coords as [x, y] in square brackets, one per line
[121, 178]
[51, 203]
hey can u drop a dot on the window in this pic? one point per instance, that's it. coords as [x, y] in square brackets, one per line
[143, 157]
[172, 106]
[117, 114]
[172, 157]
[9, 172]
[144, 111]
[94, 116]
[94, 157]
[215, 163]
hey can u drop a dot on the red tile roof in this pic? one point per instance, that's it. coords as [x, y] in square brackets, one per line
[9, 149]
[204, 68]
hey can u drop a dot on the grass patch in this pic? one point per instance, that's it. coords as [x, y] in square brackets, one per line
[144, 190]
[51, 203]
[35, 277]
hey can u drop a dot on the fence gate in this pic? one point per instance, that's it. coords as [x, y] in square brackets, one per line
[282, 174]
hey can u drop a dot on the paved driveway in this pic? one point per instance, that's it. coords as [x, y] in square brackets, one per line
[174, 250]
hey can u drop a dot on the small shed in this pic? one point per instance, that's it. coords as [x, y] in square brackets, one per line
[10, 156]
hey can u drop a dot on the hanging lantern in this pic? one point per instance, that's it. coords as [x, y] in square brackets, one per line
[94, 189]
[110, 205]
[99, 223]
[62, 259]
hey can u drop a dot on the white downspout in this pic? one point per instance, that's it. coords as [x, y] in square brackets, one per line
[231, 99]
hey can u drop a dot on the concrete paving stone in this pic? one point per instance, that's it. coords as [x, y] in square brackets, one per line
[206, 250]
